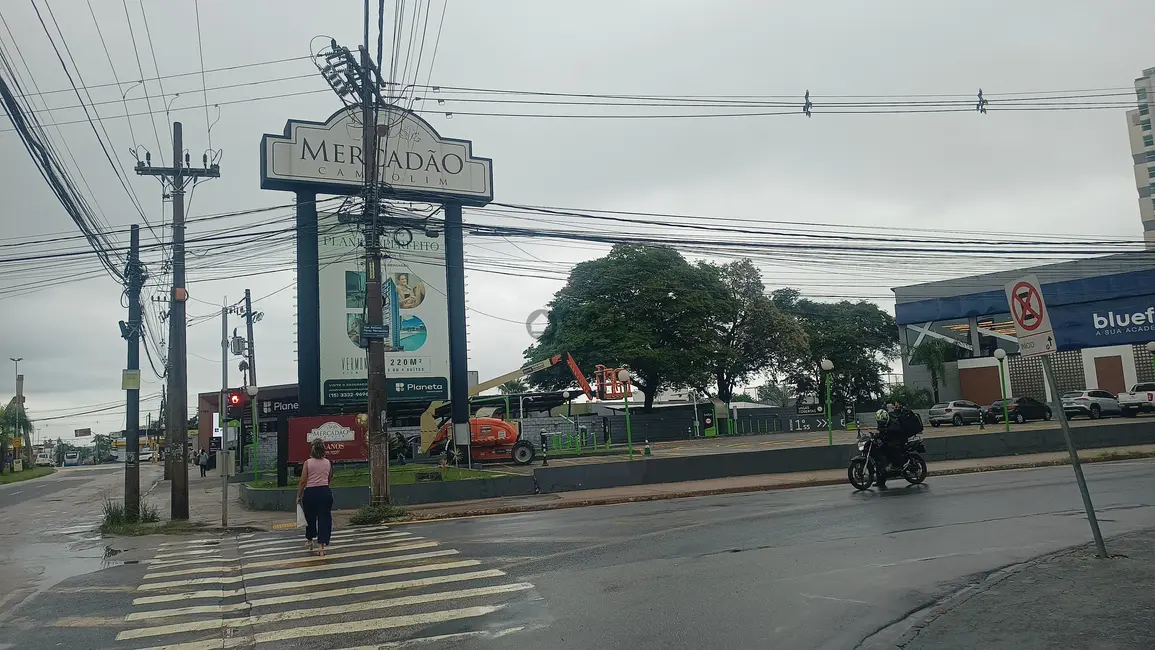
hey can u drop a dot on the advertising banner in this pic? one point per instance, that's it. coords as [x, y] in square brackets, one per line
[415, 314]
[1119, 321]
[345, 439]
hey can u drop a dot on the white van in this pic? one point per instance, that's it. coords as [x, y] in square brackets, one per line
[44, 460]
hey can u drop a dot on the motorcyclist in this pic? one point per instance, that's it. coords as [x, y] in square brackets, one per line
[894, 430]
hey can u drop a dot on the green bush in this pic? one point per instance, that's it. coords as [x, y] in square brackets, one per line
[148, 513]
[114, 514]
[376, 514]
[914, 398]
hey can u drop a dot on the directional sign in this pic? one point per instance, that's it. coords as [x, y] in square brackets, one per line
[1029, 312]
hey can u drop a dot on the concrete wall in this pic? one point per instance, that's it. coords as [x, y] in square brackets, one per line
[349, 498]
[917, 376]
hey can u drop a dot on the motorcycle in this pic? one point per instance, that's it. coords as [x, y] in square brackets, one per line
[864, 471]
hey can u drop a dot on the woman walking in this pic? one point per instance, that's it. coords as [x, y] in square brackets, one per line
[315, 497]
[203, 461]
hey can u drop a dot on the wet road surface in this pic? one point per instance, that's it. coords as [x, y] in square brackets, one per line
[806, 568]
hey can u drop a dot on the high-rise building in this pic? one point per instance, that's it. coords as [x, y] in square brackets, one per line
[1143, 152]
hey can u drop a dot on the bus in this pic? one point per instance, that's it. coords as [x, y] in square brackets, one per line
[71, 458]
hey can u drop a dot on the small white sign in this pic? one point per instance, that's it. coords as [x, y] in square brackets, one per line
[1029, 313]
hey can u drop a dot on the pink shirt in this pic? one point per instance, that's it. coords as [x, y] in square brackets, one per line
[319, 470]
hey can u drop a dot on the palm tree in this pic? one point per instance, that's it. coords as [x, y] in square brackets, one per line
[513, 387]
[775, 393]
[14, 422]
[933, 353]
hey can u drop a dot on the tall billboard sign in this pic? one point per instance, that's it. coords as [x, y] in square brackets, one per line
[415, 315]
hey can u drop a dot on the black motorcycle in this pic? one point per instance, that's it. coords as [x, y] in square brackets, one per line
[864, 471]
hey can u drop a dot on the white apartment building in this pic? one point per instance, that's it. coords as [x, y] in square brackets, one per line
[1142, 139]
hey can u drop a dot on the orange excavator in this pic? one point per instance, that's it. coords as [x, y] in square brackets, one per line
[496, 439]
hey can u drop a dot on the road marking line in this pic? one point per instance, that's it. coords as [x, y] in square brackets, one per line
[297, 549]
[457, 636]
[300, 584]
[331, 593]
[841, 600]
[180, 562]
[298, 542]
[87, 621]
[17, 491]
[192, 553]
[304, 560]
[280, 539]
[334, 610]
[156, 586]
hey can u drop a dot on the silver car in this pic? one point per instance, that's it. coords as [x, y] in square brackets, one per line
[1092, 403]
[957, 412]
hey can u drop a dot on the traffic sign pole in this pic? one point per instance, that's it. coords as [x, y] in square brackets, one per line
[1057, 405]
[1036, 338]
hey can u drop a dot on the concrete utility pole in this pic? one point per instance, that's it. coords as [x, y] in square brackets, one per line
[26, 444]
[374, 303]
[251, 356]
[224, 456]
[176, 178]
[134, 276]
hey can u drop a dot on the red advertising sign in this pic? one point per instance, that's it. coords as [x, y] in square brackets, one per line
[345, 439]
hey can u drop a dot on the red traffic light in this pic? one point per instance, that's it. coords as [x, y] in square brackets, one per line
[234, 399]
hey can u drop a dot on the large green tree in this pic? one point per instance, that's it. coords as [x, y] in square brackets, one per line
[776, 393]
[14, 423]
[644, 307]
[858, 337]
[513, 387]
[751, 335]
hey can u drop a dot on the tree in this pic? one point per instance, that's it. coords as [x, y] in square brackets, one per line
[741, 397]
[858, 337]
[513, 387]
[14, 423]
[915, 398]
[101, 446]
[644, 307]
[751, 335]
[934, 353]
[775, 393]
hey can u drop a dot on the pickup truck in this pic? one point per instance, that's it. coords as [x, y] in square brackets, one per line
[1140, 398]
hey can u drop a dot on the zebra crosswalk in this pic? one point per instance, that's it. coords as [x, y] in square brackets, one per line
[375, 588]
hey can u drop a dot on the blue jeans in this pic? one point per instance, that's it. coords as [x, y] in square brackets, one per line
[317, 502]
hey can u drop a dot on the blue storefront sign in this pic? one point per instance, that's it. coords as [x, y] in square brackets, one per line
[1116, 309]
[1120, 321]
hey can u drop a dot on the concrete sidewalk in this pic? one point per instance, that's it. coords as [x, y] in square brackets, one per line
[1066, 600]
[739, 484]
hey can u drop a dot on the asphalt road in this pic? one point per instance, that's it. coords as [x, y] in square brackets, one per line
[47, 529]
[806, 568]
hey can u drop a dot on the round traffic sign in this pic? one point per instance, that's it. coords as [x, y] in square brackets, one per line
[1026, 306]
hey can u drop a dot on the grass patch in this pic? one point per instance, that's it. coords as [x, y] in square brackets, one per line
[376, 514]
[152, 528]
[401, 475]
[116, 520]
[30, 473]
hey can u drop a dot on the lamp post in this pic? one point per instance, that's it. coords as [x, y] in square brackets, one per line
[624, 377]
[827, 366]
[1001, 355]
[568, 414]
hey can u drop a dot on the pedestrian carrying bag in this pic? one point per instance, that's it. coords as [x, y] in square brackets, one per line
[300, 516]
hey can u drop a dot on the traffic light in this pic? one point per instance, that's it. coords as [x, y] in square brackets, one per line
[235, 407]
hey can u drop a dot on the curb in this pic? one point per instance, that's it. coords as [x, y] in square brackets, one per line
[417, 517]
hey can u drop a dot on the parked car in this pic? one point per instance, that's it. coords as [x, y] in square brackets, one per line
[1019, 410]
[44, 460]
[144, 456]
[957, 412]
[1140, 398]
[1093, 403]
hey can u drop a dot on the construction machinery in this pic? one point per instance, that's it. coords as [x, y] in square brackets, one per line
[493, 438]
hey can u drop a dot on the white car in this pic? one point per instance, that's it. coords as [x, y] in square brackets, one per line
[44, 460]
[145, 456]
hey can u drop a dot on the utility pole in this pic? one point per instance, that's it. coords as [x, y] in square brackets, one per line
[224, 457]
[252, 359]
[177, 177]
[134, 275]
[377, 400]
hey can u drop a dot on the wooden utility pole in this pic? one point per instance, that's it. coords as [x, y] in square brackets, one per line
[134, 278]
[374, 303]
[175, 179]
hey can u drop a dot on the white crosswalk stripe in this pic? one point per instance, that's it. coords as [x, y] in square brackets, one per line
[375, 588]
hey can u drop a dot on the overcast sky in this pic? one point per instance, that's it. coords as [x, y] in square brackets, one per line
[1065, 172]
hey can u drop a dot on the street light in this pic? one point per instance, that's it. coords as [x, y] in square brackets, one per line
[1001, 355]
[827, 366]
[624, 377]
[568, 414]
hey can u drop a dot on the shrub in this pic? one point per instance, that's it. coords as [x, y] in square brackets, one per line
[376, 514]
